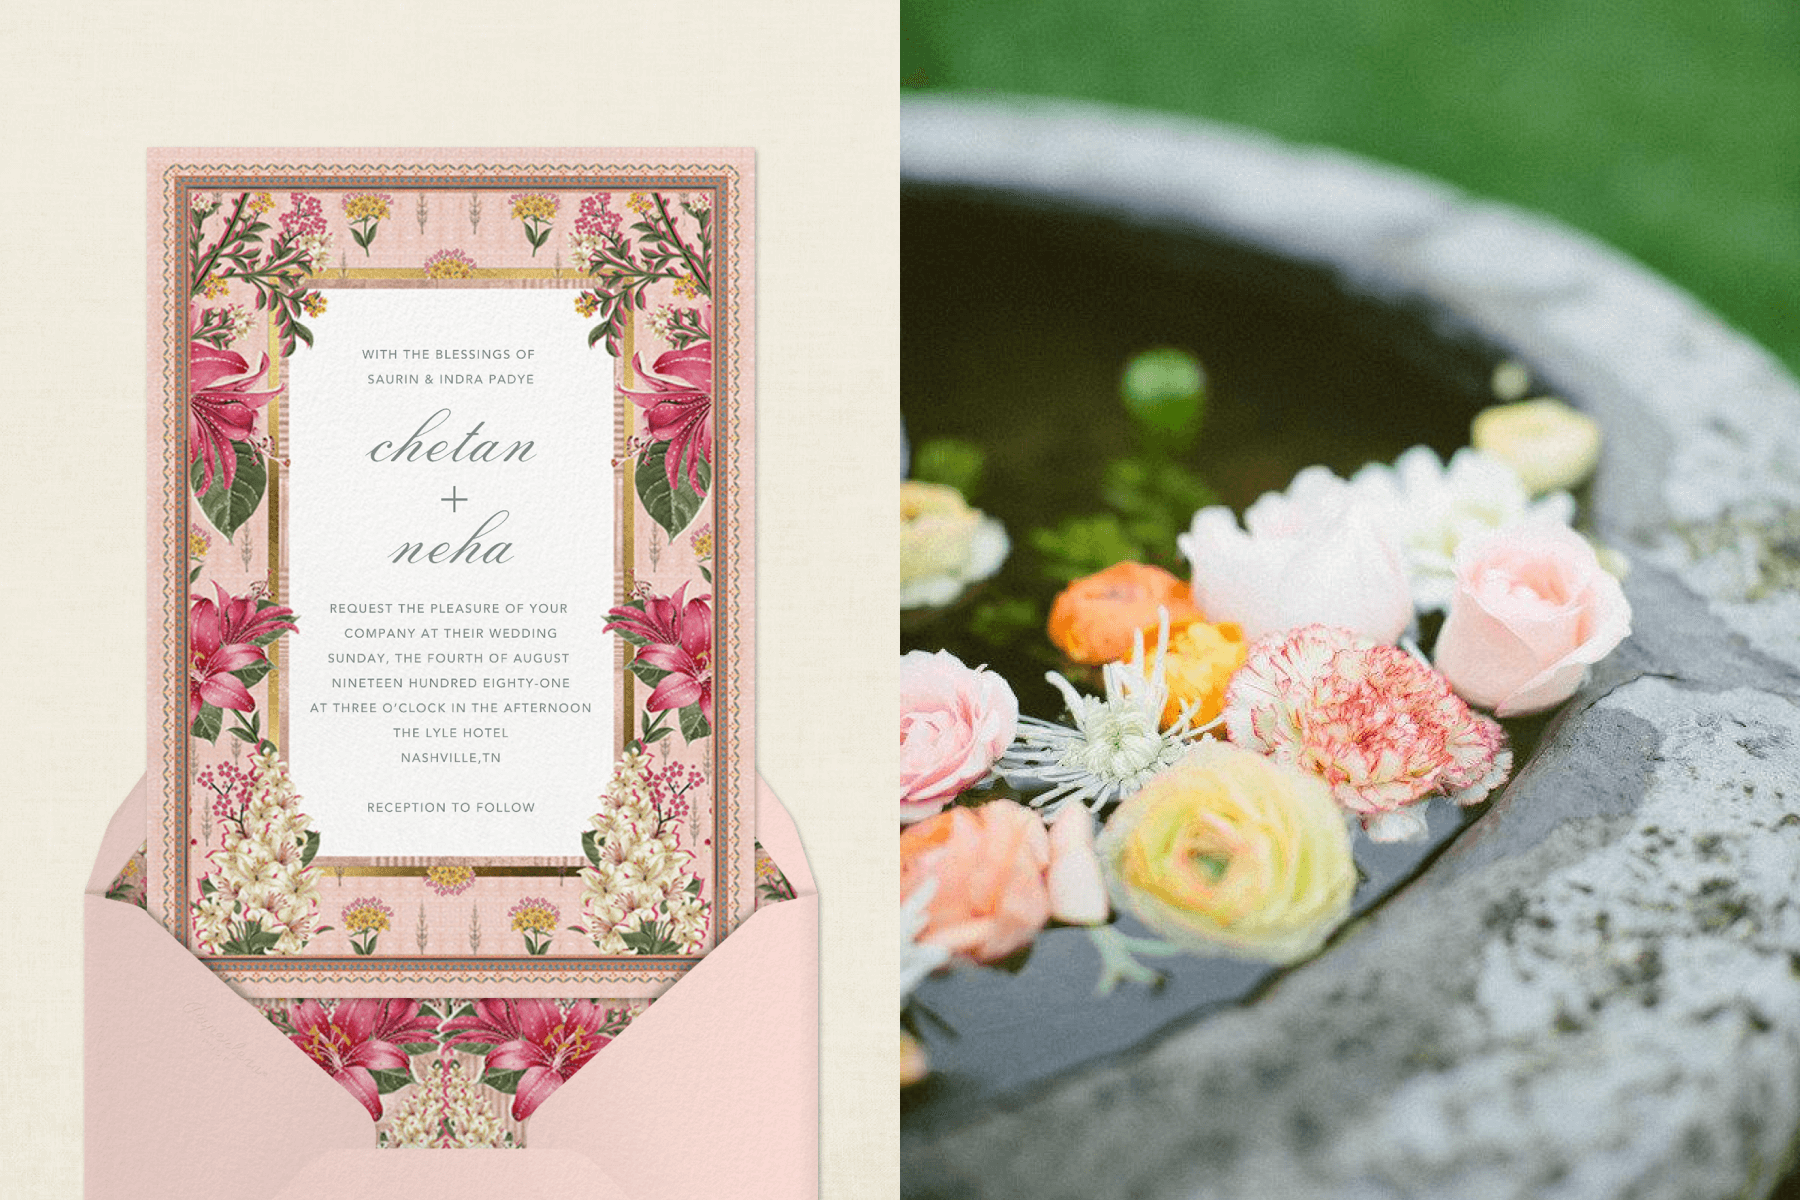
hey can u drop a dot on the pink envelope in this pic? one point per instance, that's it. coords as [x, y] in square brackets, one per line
[713, 1090]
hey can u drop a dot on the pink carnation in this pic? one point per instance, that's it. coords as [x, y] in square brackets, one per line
[954, 722]
[1380, 727]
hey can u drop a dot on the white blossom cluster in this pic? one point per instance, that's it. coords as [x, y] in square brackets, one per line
[260, 898]
[643, 885]
[449, 1108]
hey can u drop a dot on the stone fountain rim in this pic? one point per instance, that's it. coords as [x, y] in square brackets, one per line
[1699, 424]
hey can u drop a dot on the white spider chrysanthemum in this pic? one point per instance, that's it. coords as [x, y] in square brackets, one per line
[917, 959]
[1117, 742]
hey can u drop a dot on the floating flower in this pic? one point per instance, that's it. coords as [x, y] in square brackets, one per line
[945, 546]
[1382, 729]
[1532, 611]
[991, 870]
[1229, 852]
[917, 959]
[449, 264]
[1313, 554]
[536, 918]
[1431, 508]
[537, 1037]
[1094, 619]
[1547, 444]
[954, 722]
[678, 410]
[449, 881]
[221, 410]
[365, 921]
[1116, 743]
[1200, 662]
[356, 1037]
[450, 1109]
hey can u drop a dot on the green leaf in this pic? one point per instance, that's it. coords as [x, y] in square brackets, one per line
[311, 847]
[207, 887]
[673, 510]
[693, 887]
[950, 461]
[208, 722]
[650, 937]
[227, 510]
[195, 574]
[1080, 546]
[481, 1048]
[390, 1081]
[651, 676]
[253, 674]
[417, 1047]
[590, 847]
[694, 725]
[503, 1081]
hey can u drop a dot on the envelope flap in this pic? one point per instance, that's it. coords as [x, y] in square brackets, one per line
[775, 830]
[515, 1174]
[124, 837]
[717, 1081]
[187, 1085]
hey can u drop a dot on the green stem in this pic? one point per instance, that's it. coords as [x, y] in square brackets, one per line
[212, 256]
[1118, 963]
[700, 275]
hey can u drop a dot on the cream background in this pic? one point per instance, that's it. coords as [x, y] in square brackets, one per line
[88, 88]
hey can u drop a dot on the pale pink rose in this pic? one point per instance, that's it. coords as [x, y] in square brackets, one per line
[989, 864]
[1313, 555]
[1532, 611]
[1077, 889]
[954, 722]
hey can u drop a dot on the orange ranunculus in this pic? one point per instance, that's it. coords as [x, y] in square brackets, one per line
[1200, 661]
[1094, 619]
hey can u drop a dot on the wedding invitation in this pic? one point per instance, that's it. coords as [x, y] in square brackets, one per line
[451, 576]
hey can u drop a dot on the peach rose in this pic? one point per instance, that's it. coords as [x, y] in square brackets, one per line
[999, 877]
[1228, 852]
[1532, 611]
[954, 722]
[1093, 620]
[1198, 665]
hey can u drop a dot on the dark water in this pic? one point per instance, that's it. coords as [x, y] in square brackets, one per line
[1016, 322]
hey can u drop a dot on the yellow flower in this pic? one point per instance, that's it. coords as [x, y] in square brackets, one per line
[587, 303]
[639, 203]
[534, 915]
[214, 287]
[1200, 662]
[260, 203]
[1228, 852]
[1549, 444]
[313, 303]
[944, 544]
[198, 544]
[363, 915]
[534, 206]
[368, 206]
[449, 881]
[687, 289]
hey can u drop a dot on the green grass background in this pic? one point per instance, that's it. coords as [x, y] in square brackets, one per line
[1670, 128]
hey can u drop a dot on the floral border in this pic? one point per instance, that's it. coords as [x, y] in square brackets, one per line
[726, 173]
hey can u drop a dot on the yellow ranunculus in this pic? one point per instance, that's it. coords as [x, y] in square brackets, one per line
[1200, 661]
[1229, 852]
[944, 544]
[1549, 444]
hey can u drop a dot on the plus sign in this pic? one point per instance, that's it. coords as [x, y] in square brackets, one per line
[453, 499]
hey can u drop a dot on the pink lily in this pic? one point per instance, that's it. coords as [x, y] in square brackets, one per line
[536, 1037]
[359, 1036]
[679, 636]
[678, 408]
[221, 639]
[221, 409]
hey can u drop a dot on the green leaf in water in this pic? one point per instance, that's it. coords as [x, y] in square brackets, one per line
[1165, 393]
[950, 461]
